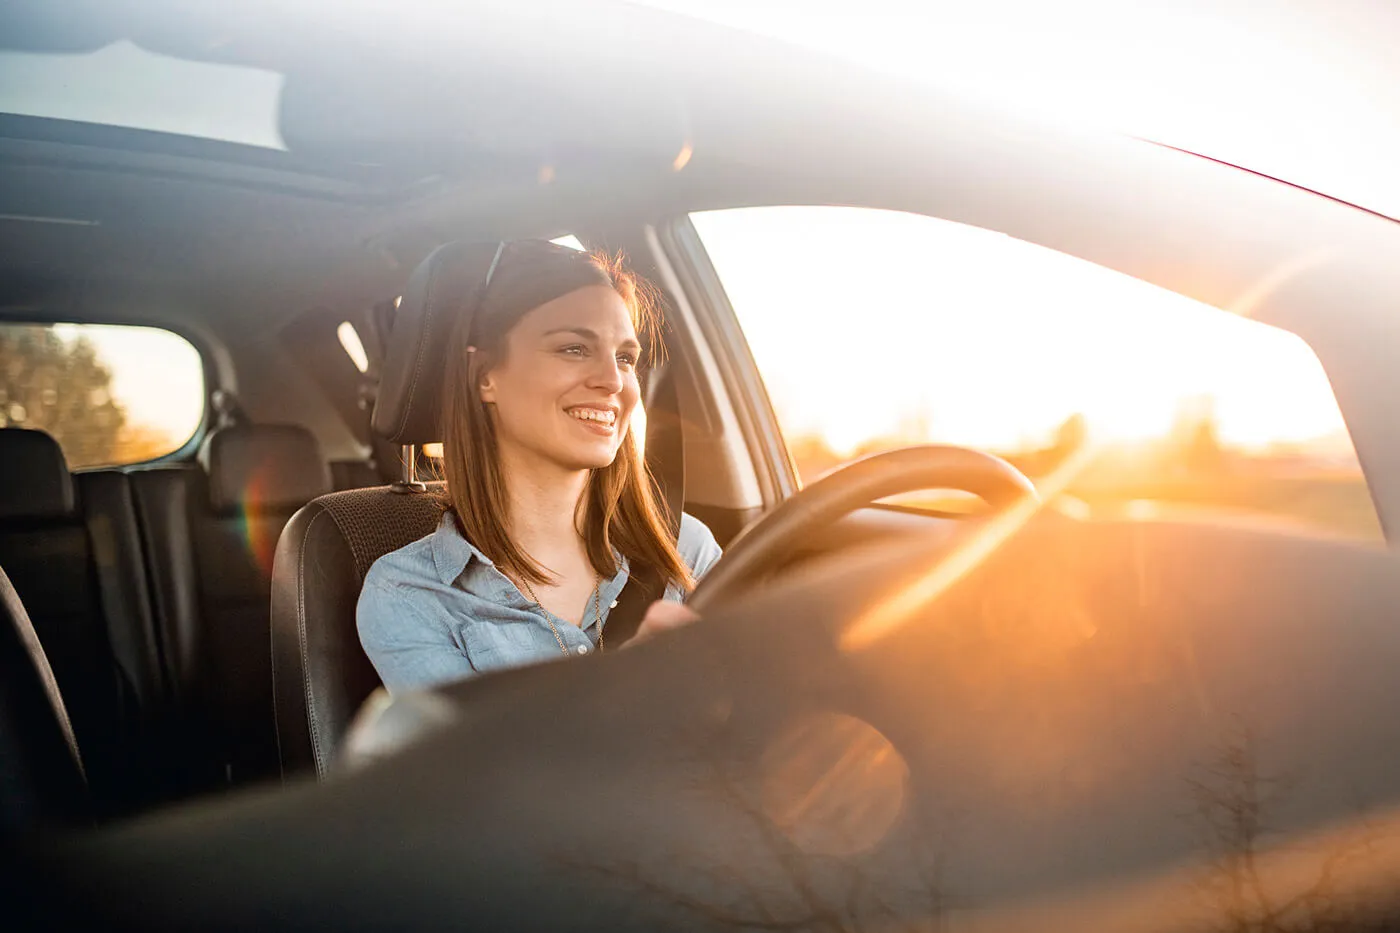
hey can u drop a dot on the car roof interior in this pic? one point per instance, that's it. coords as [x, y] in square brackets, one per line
[401, 137]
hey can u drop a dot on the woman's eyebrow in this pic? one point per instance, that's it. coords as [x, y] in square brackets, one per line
[589, 334]
[583, 332]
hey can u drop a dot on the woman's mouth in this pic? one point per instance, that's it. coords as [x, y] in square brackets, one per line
[601, 420]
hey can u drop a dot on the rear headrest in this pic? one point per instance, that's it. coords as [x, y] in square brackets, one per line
[457, 280]
[37, 483]
[263, 467]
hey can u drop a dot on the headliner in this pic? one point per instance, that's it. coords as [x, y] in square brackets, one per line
[535, 118]
[542, 118]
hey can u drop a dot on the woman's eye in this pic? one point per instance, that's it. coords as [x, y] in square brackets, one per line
[628, 360]
[574, 350]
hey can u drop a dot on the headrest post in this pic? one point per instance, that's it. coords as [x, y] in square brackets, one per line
[408, 461]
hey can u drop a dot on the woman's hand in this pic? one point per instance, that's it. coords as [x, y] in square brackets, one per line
[662, 616]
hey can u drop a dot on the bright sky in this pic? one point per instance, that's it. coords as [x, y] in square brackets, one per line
[157, 376]
[939, 331]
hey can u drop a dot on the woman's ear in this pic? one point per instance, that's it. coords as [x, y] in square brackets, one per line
[486, 390]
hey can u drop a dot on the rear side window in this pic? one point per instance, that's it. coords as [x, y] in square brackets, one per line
[109, 394]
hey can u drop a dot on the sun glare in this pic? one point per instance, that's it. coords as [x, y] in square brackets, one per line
[929, 330]
[1284, 89]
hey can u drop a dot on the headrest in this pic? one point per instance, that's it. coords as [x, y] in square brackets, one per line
[263, 468]
[470, 283]
[37, 483]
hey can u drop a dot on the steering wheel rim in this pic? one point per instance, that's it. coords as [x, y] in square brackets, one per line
[850, 487]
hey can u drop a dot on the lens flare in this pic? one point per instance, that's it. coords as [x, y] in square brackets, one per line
[260, 530]
[905, 605]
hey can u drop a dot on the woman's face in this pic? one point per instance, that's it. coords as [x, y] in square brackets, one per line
[567, 385]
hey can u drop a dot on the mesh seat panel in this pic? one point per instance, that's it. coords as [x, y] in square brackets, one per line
[378, 520]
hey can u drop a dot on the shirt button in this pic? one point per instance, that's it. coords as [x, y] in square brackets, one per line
[582, 649]
[613, 604]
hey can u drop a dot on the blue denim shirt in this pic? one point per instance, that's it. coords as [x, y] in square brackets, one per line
[438, 610]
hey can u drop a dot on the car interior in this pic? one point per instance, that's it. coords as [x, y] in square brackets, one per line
[175, 700]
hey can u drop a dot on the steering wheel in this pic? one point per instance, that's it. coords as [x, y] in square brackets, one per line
[763, 545]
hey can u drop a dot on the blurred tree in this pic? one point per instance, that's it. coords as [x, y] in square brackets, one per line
[811, 455]
[1071, 435]
[1195, 435]
[1204, 451]
[62, 387]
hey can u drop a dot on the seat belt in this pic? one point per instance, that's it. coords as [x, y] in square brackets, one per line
[666, 458]
[642, 589]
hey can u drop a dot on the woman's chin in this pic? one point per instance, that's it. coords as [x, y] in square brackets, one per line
[595, 458]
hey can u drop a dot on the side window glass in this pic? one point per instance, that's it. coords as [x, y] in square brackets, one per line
[109, 394]
[877, 329]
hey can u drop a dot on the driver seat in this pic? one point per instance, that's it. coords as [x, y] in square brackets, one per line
[320, 674]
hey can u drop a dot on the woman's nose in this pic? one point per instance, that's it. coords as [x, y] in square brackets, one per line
[608, 376]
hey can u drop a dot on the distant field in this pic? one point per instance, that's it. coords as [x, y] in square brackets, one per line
[1323, 503]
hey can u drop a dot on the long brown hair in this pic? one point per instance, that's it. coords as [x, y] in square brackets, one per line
[620, 508]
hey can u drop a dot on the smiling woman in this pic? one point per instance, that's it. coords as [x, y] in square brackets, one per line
[550, 510]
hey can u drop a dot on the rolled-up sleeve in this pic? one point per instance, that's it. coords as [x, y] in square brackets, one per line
[409, 648]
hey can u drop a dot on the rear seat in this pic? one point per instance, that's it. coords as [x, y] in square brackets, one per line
[211, 537]
[150, 590]
[80, 575]
[258, 477]
[353, 474]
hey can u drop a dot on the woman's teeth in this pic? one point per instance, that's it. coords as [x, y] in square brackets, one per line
[593, 414]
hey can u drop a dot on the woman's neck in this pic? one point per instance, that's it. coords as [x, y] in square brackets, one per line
[544, 503]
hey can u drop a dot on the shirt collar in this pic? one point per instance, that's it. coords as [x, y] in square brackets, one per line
[452, 552]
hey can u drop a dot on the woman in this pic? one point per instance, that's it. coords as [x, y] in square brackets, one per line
[549, 502]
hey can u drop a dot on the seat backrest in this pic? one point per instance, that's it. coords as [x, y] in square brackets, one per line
[47, 552]
[320, 672]
[353, 474]
[258, 476]
[41, 783]
[211, 537]
[172, 504]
